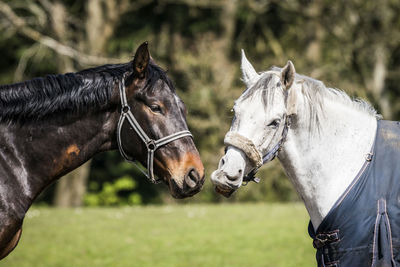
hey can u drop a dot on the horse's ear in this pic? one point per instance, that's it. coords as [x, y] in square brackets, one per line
[287, 75]
[291, 104]
[249, 73]
[287, 79]
[141, 60]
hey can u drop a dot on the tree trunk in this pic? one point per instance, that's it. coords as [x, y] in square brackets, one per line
[100, 23]
[71, 188]
[225, 71]
[313, 51]
[377, 84]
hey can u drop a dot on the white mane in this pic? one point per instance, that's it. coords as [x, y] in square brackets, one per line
[315, 89]
[314, 92]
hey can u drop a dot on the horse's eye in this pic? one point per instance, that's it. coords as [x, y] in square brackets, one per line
[155, 108]
[275, 123]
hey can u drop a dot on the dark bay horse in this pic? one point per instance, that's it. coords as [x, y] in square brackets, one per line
[50, 126]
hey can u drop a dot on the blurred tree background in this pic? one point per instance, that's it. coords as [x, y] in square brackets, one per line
[353, 45]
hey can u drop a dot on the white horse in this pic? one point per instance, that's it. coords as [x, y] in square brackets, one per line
[321, 136]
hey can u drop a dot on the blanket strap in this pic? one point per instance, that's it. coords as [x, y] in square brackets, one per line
[323, 239]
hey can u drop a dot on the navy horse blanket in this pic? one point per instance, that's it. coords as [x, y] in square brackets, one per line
[363, 227]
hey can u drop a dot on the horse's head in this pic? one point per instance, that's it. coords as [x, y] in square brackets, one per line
[160, 113]
[259, 125]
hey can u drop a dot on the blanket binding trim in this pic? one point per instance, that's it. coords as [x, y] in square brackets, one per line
[368, 159]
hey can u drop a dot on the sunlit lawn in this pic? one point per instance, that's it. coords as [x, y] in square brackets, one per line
[189, 235]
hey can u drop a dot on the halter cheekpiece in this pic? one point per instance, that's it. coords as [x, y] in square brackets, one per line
[151, 144]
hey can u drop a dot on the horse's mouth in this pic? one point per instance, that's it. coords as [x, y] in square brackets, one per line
[185, 192]
[223, 186]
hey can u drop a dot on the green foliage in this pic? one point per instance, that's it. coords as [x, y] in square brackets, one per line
[113, 181]
[115, 193]
[172, 235]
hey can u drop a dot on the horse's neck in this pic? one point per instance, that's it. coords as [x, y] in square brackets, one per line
[323, 165]
[34, 155]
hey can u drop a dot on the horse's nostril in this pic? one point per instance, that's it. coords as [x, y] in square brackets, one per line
[222, 161]
[192, 178]
[240, 171]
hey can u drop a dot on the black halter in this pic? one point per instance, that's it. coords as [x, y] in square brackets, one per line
[270, 154]
[151, 144]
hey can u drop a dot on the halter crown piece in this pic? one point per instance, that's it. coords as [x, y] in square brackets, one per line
[151, 144]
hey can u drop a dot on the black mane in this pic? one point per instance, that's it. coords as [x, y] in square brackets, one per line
[70, 93]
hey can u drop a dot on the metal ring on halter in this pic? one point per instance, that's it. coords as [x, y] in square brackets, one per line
[125, 109]
[151, 144]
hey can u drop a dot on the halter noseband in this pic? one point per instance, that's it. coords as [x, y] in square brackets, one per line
[151, 144]
[253, 154]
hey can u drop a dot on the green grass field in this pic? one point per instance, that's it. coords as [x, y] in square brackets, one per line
[178, 235]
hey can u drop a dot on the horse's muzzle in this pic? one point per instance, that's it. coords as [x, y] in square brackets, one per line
[223, 185]
[188, 184]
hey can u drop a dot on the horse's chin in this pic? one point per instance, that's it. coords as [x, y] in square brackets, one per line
[181, 195]
[226, 192]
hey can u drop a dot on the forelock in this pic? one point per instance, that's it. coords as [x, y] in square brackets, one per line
[266, 86]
